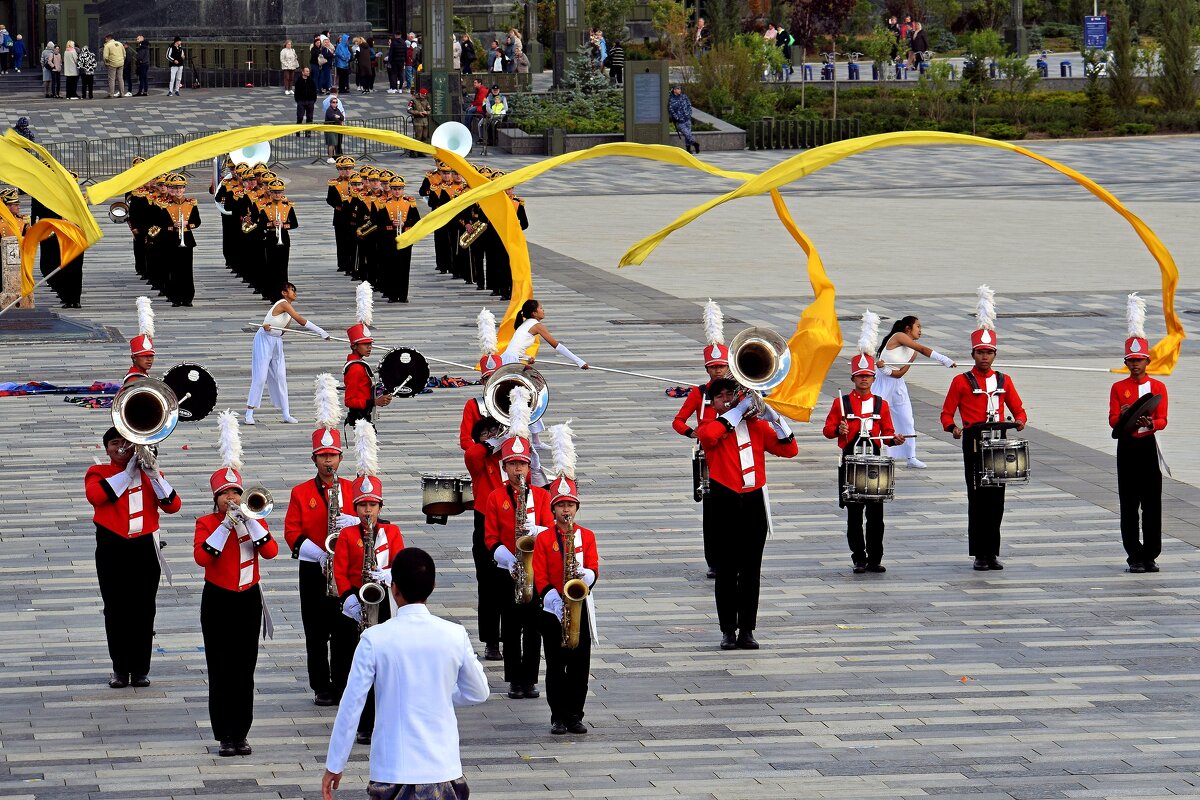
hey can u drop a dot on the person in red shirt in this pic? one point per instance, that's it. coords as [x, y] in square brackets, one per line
[228, 544]
[736, 448]
[1139, 474]
[141, 353]
[126, 497]
[854, 414]
[487, 475]
[980, 396]
[359, 378]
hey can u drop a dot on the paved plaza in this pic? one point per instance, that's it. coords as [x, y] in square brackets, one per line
[1061, 677]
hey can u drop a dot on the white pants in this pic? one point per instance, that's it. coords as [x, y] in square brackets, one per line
[176, 79]
[895, 392]
[267, 368]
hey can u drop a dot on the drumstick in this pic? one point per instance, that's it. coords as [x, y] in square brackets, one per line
[609, 369]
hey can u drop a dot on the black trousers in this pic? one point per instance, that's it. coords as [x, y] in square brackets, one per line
[276, 268]
[985, 504]
[139, 255]
[443, 249]
[345, 640]
[566, 670]
[143, 77]
[156, 264]
[128, 572]
[89, 86]
[347, 248]
[868, 548]
[740, 530]
[304, 112]
[67, 284]
[709, 531]
[319, 613]
[522, 635]
[181, 287]
[230, 227]
[489, 583]
[72, 86]
[1139, 485]
[230, 622]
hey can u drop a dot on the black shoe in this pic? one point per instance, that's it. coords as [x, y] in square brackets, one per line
[140, 681]
[712, 573]
[859, 568]
[516, 691]
[728, 640]
[981, 564]
[324, 699]
[362, 738]
[1136, 568]
[746, 641]
[994, 564]
[557, 728]
[118, 681]
[1151, 566]
[491, 652]
[876, 568]
[577, 727]
[531, 692]
[243, 748]
[228, 750]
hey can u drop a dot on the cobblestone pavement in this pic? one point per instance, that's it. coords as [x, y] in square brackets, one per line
[1061, 677]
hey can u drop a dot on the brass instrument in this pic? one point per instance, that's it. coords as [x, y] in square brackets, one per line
[248, 223]
[523, 593]
[257, 503]
[181, 226]
[371, 593]
[278, 228]
[152, 231]
[474, 231]
[575, 590]
[366, 229]
[397, 222]
[145, 412]
[759, 360]
[496, 394]
[333, 499]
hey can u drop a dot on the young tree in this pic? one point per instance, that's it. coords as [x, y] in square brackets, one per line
[1176, 82]
[724, 17]
[1122, 68]
[670, 19]
[609, 16]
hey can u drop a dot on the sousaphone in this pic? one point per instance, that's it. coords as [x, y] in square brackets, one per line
[501, 383]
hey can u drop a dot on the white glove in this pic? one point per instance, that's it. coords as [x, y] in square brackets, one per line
[562, 350]
[311, 551]
[352, 608]
[216, 540]
[348, 521]
[162, 489]
[493, 443]
[315, 328]
[734, 415]
[781, 428]
[383, 576]
[505, 560]
[121, 482]
[552, 603]
[588, 576]
[258, 534]
[941, 359]
[769, 414]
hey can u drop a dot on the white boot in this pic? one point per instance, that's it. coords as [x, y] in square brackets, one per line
[915, 462]
[249, 416]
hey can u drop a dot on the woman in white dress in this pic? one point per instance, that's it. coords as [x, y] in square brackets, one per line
[529, 326]
[897, 351]
[267, 366]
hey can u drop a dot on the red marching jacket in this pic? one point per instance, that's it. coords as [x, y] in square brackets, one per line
[360, 389]
[878, 427]
[348, 555]
[134, 513]
[695, 404]
[548, 558]
[499, 516]
[1125, 392]
[972, 407]
[308, 512]
[236, 568]
[471, 414]
[486, 473]
[723, 453]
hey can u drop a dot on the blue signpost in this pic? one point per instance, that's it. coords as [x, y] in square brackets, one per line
[1095, 33]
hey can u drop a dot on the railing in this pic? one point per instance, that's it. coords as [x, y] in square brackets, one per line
[789, 134]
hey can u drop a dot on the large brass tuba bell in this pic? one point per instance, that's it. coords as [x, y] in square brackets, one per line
[507, 378]
[145, 411]
[759, 360]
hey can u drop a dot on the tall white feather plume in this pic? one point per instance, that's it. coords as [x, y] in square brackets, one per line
[145, 313]
[365, 303]
[714, 323]
[985, 311]
[485, 323]
[870, 333]
[229, 440]
[328, 404]
[366, 448]
[1135, 315]
[564, 449]
[519, 412]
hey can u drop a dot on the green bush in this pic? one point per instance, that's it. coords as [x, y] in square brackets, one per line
[1133, 129]
[1002, 130]
[944, 41]
[576, 112]
[1036, 40]
[1060, 30]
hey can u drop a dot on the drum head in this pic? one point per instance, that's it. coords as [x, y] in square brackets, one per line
[1127, 422]
[404, 371]
[194, 380]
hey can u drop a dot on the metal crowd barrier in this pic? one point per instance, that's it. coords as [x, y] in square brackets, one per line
[789, 134]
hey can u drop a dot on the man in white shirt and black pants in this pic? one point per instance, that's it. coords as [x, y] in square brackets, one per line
[420, 666]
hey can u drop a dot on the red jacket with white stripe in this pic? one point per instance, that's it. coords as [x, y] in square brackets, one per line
[134, 513]
[548, 558]
[348, 555]
[881, 426]
[723, 452]
[500, 517]
[236, 567]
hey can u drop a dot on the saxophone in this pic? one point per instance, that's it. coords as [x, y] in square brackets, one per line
[575, 591]
[523, 592]
[371, 593]
[333, 498]
[472, 232]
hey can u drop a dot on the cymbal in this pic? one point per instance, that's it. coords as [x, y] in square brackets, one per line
[1127, 422]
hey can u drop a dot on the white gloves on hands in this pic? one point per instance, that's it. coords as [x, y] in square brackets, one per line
[734, 415]
[311, 551]
[162, 489]
[588, 576]
[941, 359]
[505, 560]
[121, 482]
[493, 443]
[352, 608]
[216, 540]
[383, 576]
[258, 534]
[312, 326]
[348, 521]
[781, 427]
[562, 350]
[552, 603]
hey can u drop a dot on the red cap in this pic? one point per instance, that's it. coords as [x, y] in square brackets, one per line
[141, 345]
[367, 487]
[423, 91]
[563, 488]
[357, 334]
[515, 448]
[983, 339]
[1136, 347]
[862, 364]
[489, 364]
[223, 478]
[716, 355]
[326, 440]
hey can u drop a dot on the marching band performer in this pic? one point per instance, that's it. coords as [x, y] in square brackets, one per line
[528, 324]
[338, 198]
[854, 415]
[432, 189]
[397, 214]
[138, 202]
[357, 215]
[127, 559]
[356, 372]
[12, 199]
[228, 545]
[519, 620]
[735, 448]
[230, 186]
[568, 624]
[267, 364]
[153, 255]
[68, 283]
[350, 564]
[245, 209]
[307, 525]
[698, 403]
[499, 269]
[141, 347]
[182, 217]
[1139, 461]
[895, 353]
[980, 396]
[276, 219]
[479, 438]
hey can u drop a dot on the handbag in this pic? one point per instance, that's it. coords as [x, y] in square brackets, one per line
[321, 60]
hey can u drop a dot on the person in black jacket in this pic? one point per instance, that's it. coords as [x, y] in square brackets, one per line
[919, 44]
[395, 62]
[305, 95]
[142, 63]
[467, 60]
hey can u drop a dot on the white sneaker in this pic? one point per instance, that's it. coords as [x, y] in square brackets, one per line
[915, 463]
[249, 417]
[290, 420]
[129, 94]
[391, 91]
[330, 161]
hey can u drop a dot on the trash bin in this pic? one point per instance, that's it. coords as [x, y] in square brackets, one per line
[808, 73]
[852, 72]
[555, 142]
[874, 71]
[1064, 69]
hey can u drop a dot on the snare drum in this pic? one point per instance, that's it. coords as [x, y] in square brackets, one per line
[1003, 461]
[868, 479]
[466, 492]
[440, 495]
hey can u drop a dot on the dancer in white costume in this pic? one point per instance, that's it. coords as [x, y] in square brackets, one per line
[267, 367]
[897, 351]
[529, 326]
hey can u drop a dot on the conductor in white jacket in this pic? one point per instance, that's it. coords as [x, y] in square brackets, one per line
[421, 667]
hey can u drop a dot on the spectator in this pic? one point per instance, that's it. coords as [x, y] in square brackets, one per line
[456, 55]
[516, 37]
[906, 33]
[496, 107]
[920, 43]
[702, 40]
[176, 56]
[333, 93]
[19, 52]
[600, 40]
[616, 64]
[47, 74]
[510, 54]
[395, 62]
[304, 92]
[495, 57]
[333, 141]
[475, 109]
[770, 34]
[325, 79]
[56, 73]
[365, 65]
[894, 28]
[127, 68]
[412, 57]
[289, 64]
[785, 41]
[70, 59]
[679, 110]
[87, 73]
[468, 54]
[356, 44]
[520, 61]
[22, 128]
[314, 60]
[341, 60]
[6, 50]
[141, 61]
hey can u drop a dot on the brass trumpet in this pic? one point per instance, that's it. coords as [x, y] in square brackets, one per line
[257, 503]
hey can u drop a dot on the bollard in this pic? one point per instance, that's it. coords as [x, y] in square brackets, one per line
[992, 70]
[1064, 69]
[1043, 69]
[852, 72]
[901, 71]
[827, 72]
[808, 72]
[874, 72]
